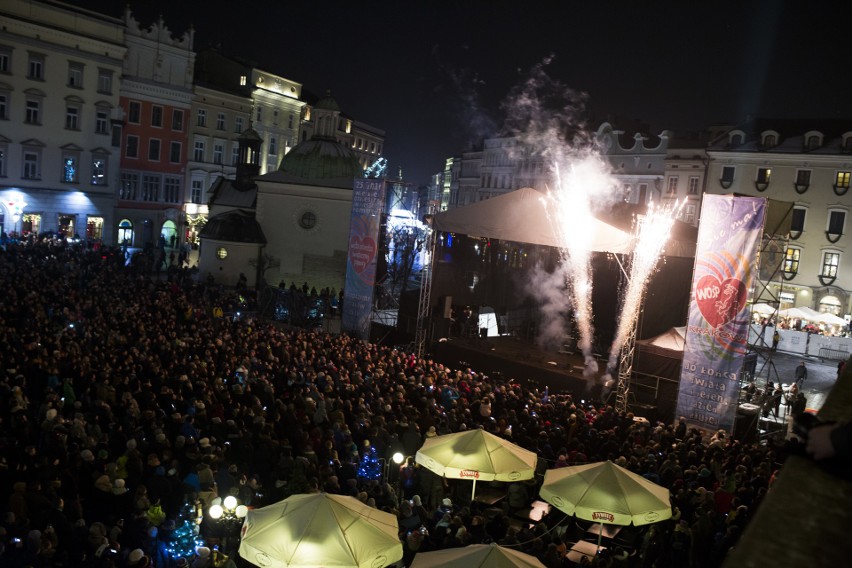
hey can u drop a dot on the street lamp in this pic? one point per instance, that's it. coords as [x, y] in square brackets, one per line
[227, 515]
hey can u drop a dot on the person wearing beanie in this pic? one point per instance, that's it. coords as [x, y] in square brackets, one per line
[202, 558]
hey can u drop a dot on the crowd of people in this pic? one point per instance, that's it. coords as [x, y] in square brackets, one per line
[124, 393]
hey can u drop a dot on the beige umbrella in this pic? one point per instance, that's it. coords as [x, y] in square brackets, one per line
[476, 556]
[320, 529]
[476, 454]
[604, 492]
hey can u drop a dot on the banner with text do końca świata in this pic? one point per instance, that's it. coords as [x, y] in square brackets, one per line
[368, 199]
[729, 235]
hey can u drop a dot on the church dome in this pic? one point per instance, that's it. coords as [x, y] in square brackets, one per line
[321, 159]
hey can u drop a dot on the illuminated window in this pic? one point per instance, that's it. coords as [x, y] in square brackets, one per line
[222, 253]
[763, 175]
[95, 228]
[70, 167]
[842, 180]
[791, 261]
[308, 220]
[830, 264]
[243, 80]
[99, 170]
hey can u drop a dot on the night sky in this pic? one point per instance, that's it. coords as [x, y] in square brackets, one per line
[438, 76]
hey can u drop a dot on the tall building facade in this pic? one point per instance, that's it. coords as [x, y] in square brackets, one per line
[807, 163]
[156, 99]
[59, 96]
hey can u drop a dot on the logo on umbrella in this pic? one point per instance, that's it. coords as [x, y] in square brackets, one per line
[601, 516]
[469, 473]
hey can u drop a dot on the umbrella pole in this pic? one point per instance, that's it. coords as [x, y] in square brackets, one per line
[473, 491]
[600, 535]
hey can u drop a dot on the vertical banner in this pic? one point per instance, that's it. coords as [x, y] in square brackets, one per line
[368, 198]
[729, 236]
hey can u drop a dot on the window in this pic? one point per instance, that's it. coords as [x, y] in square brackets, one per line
[4, 106]
[105, 81]
[290, 121]
[693, 185]
[3, 161]
[235, 154]
[797, 221]
[220, 121]
[75, 75]
[132, 149]
[154, 150]
[115, 136]
[101, 122]
[770, 140]
[803, 177]
[836, 221]
[273, 146]
[171, 189]
[218, 153]
[221, 253]
[201, 118]
[243, 79]
[32, 164]
[308, 220]
[33, 115]
[841, 181]
[99, 170]
[812, 142]
[177, 120]
[129, 186]
[259, 114]
[70, 167]
[727, 176]
[72, 118]
[238, 124]
[672, 185]
[5, 59]
[174, 152]
[95, 228]
[150, 187]
[791, 261]
[197, 189]
[763, 175]
[35, 67]
[198, 151]
[157, 116]
[689, 213]
[134, 112]
[830, 263]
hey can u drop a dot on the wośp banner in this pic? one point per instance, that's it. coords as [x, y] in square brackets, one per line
[729, 235]
[368, 198]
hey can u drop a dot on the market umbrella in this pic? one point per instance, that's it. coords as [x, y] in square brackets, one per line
[604, 492]
[476, 454]
[320, 529]
[798, 313]
[476, 556]
[763, 309]
[831, 319]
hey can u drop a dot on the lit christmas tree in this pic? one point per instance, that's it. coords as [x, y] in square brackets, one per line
[186, 538]
[370, 467]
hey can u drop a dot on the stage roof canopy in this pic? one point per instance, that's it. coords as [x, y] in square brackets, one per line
[522, 216]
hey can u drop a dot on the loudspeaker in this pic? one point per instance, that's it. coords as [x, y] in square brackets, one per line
[446, 306]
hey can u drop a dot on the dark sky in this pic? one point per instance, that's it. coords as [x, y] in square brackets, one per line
[433, 74]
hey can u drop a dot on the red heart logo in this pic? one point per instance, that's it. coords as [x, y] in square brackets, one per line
[362, 250]
[719, 302]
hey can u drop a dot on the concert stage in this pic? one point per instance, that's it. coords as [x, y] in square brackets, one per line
[534, 367]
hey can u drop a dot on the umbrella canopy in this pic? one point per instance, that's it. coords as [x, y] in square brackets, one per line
[831, 319]
[476, 556]
[476, 454]
[320, 530]
[606, 493]
[798, 313]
